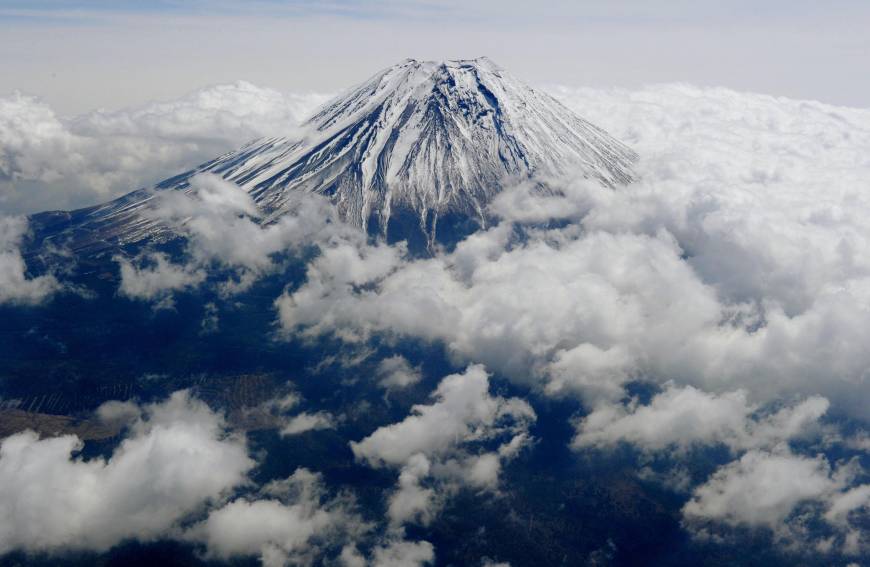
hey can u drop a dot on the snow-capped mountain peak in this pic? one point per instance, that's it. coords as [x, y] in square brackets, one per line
[418, 141]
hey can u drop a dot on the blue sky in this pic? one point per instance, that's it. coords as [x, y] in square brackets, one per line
[95, 53]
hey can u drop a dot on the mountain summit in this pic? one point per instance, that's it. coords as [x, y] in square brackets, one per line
[417, 142]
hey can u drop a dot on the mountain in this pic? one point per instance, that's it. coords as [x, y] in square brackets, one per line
[421, 147]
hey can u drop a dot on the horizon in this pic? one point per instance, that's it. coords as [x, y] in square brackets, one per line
[161, 50]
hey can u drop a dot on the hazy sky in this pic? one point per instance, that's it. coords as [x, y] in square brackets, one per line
[101, 53]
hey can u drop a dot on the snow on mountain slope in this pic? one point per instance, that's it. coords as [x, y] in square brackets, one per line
[422, 139]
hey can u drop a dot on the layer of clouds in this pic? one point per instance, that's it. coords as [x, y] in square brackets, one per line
[738, 260]
[15, 285]
[734, 274]
[176, 458]
[48, 162]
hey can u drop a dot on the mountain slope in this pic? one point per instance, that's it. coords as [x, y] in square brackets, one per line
[417, 142]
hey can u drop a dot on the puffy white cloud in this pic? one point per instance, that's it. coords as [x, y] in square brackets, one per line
[155, 276]
[435, 445]
[734, 273]
[220, 222]
[463, 411]
[521, 311]
[679, 418]
[176, 458]
[15, 285]
[282, 413]
[308, 422]
[283, 524]
[765, 489]
[51, 162]
[412, 501]
[396, 372]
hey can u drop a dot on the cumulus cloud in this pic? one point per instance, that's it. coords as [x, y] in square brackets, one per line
[154, 276]
[679, 418]
[463, 410]
[395, 372]
[221, 224]
[52, 162]
[284, 523]
[766, 489]
[524, 311]
[176, 458]
[15, 285]
[441, 446]
[308, 422]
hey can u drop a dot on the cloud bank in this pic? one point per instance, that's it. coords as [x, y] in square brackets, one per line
[733, 275]
[736, 261]
[48, 162]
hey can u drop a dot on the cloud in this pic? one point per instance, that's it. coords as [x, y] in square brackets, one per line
[176, 458]
[221, 224]
[154, 276]
[284, 523]
[733, 275]
[766, 489]
[738, 260]
[15, 285]
[462, 410]
[680, 418]
[308, 422]
[404, 554]
[50, 162]
[219, 219]
[395, 372]
[520, 311]
[442, 446]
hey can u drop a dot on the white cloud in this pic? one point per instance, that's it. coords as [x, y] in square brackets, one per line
[15, 285]
[396, 372]
[518, 310]
[679, 418]
[738, 260]
[155, 276]
[433, 445]
[765, 489]
[308, 422]
[49, 162]
[176, 458]
[283, 524]
[463, 410]
[220, 222]
[412, 501]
